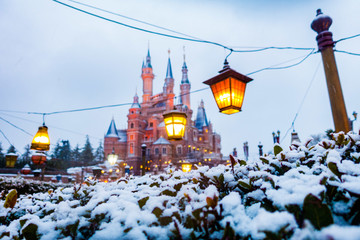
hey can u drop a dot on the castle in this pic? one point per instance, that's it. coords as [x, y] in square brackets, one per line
[201, 145]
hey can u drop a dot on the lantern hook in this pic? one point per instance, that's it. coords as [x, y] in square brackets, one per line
[226, 63]
[44, 119]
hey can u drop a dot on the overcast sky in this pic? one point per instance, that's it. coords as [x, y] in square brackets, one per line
[54, 58]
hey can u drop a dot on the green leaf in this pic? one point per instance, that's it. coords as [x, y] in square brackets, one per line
[143, 201]
[244, 185]
[264, 160]
[277, 149]
[30, 232]
[167, 192]
[178, 186]
[11, 198]
[242, 162]
[318, 213]
[164, 221]
[157, 212]
[333, 167]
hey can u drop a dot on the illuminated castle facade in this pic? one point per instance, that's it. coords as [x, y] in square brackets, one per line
[201, 145]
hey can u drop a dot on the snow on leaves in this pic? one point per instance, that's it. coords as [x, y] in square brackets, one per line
[307, 192]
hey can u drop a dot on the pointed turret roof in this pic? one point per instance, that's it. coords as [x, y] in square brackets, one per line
[148, 60]
[168, 70]
[135, 102]
[112, 131]
[201, 119]
[185, 79]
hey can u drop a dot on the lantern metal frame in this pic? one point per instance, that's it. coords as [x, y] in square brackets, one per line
[172, 115]
[229, 74]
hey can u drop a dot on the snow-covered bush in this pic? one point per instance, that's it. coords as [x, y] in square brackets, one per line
[24, 186]
[302, 193]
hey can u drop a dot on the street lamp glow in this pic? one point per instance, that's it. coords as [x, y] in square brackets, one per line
[175, 124]
[228, 89]
[112, 158]
[186, 167]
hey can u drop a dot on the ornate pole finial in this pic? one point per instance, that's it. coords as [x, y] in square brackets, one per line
[169, 52]
[184, 52]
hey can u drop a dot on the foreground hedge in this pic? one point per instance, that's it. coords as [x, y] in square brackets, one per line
[302, 193]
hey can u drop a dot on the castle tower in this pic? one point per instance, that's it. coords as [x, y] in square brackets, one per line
[169, 86]
[135, 130]
[185, 86]
[147, 77]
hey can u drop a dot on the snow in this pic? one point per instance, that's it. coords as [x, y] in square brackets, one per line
[180, 201]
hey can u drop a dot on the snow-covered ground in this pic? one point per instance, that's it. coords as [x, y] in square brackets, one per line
[302, 193]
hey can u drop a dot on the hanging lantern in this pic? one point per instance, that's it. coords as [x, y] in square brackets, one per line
[175, 122]
[41, 140]
[186, 167]
[11, 160]
[228, 89]
[38, 158]
[26, 169]
[112, 158]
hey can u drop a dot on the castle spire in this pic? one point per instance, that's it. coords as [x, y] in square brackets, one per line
[148, 60]
[168, 70]
[135, 102]
[184, 70]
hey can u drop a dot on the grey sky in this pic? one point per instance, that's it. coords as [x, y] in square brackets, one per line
[53, 58]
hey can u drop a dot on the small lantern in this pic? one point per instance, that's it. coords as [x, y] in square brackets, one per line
[97, 172]
[112, 158]
[186, 167]
[41, 140]
[175, 122]
[38, 158]
[26, 169]
[11, 160]
[228, 89]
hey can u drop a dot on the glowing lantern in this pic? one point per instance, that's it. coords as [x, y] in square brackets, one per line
[186, 167]
[112, 158]
[175, 124]
[11, 159]
[38, 158]
[228, 89]
[41, 140]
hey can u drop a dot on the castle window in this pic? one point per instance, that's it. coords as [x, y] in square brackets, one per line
[164, 151]
[189, 149]
[151, 124]
[132, 125]
[148, 152]
[179, 150]
[157, 151]
[131, 137]
[132, 112]
[131, 148]
[200, 138]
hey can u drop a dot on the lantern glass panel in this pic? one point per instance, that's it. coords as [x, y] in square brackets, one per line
[41, 140]
[237, 92]
[10, 160]
[175, 125]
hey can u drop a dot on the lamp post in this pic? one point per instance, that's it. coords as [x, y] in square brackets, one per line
[321, 25]
[276, 137]
[143, 151]
[246, 150]
[260, 146]
[352, 121]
